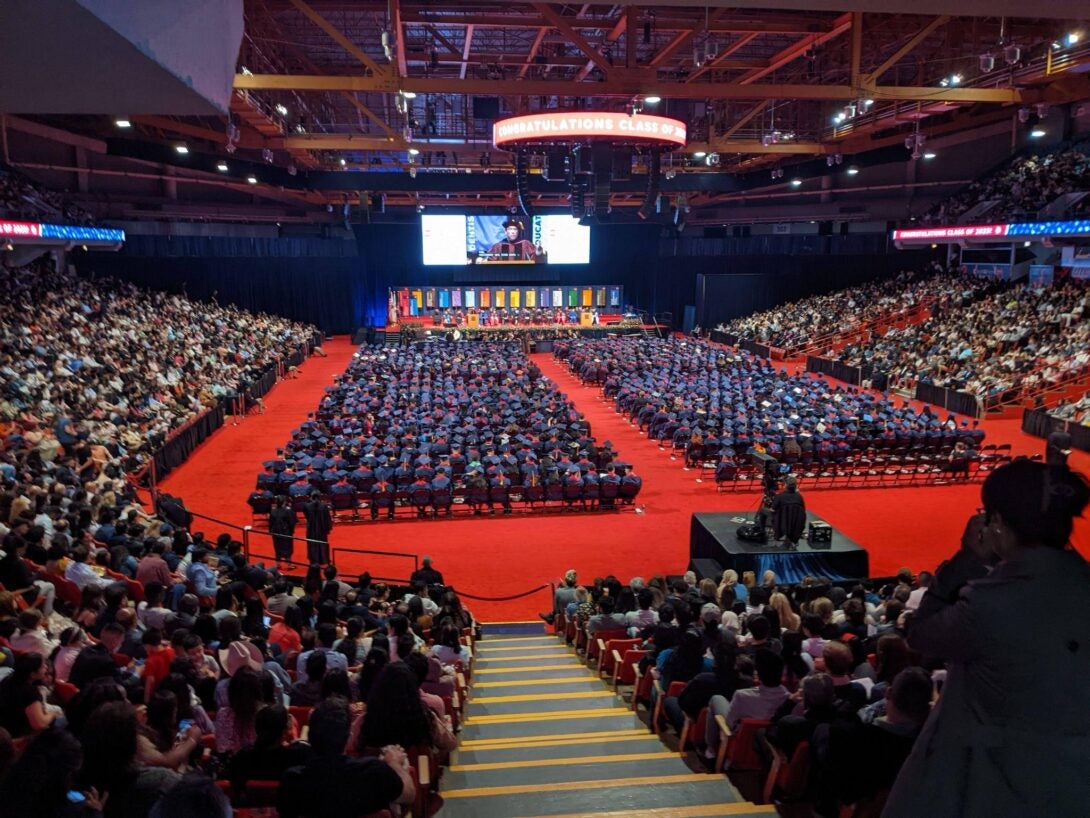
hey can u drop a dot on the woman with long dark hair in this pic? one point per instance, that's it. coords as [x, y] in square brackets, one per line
[23, 709]
[274, 749]
[395, 714]
[161, 741]
[111, 767]
[376, 659]
[38, 784]
[235, 723]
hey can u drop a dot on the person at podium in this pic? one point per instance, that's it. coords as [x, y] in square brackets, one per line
[512, 247]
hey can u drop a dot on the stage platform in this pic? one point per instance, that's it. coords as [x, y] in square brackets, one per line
[713, 542]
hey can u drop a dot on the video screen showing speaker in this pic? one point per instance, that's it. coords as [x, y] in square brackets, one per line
[462, 239]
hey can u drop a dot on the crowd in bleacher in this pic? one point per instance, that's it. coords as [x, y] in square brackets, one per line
[873, 694]
[737, 404]
[799, 323]
[1022, 187]
[144, 669]
[1017, 337]
[1073, 411]
[104, 370]
[432, 425]
[21, 199]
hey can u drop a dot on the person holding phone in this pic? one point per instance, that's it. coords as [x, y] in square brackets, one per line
[1008, 614]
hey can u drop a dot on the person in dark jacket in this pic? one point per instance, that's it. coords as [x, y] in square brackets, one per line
[282, 522]
[319, 524]
[789, 514]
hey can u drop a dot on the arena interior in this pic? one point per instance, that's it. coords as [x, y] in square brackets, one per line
[495, 410]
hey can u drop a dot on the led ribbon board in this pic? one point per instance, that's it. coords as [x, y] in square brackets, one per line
[61, 232]
[978, 232]
[584, 126]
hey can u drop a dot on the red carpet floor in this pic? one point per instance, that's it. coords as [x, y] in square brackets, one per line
[504, 556]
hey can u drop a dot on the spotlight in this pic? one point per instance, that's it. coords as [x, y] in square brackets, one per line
[796, 183]
[343, 161]
[182, 149]
[409, 94]
[1072, 38]
[930, 155]
[1023, 114]
[412, 172]
[852, 171]
[838, 158]
[1026, 243]
[766, 139]
[670, 174]
[712, 159]
[230, 147]
[1037, 133]
[420, 208]
[829, 160]
[292, 170]
[1012, 54]
[414, 152]
[222, 167]
[122, 123]
[654, 99]
[1042, 109]
[987, 63]
[840, 117]
[9, 246]
[955, 79]
[252, 180]
[267, 155]
[281, 109]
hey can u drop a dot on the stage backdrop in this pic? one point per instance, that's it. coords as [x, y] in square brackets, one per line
[340, 285]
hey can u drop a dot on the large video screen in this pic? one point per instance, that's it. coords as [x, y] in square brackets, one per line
[461, 239]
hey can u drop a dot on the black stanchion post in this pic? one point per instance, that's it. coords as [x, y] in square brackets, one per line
[246, 541]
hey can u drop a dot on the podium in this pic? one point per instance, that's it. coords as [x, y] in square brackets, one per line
[473, 320]
[585, 318]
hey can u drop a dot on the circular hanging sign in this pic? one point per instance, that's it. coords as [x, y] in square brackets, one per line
[588, 126]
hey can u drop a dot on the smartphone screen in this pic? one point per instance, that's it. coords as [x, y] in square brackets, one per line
[76, 797]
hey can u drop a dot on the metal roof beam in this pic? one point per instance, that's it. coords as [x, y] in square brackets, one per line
[636, 82]
[905, 49]
[337, 36]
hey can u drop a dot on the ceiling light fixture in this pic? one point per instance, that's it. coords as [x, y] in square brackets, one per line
[414, 151]
[409, 94]
[222, 167]
[182, 149]
[281, 109]
[1037, 133]
[930, 155]
[852, 171]
[122, 123]
[796, 183]
[653, 99]
[252, 180]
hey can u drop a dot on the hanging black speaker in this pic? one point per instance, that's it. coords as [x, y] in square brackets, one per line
[651, 198]
[522, 182]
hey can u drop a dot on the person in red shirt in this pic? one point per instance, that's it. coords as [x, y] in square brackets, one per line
[157, 663]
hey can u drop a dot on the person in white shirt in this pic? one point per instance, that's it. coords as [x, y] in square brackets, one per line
[923, 582]
[79, 572]
[32, 636]
[643, 618]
